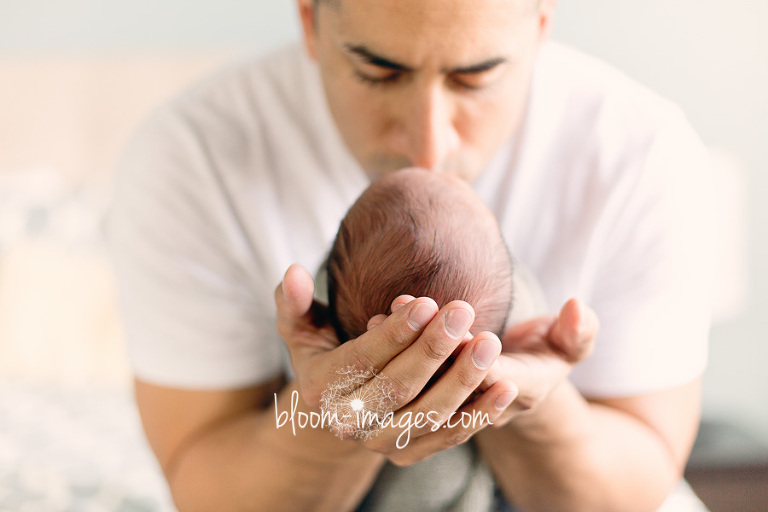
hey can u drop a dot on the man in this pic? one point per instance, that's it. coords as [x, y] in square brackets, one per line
[596, 186]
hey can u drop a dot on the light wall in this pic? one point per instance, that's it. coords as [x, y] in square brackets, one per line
[709, 56]
[132, 25]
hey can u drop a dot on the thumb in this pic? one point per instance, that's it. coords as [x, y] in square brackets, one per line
[574, 330]
[298, 316]
[293, 298]
[294, 295]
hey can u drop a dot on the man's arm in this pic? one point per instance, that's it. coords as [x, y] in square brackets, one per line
[623, 454]
[566, 453]
[221, 450]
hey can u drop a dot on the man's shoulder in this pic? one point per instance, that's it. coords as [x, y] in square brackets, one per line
[586, 77]
[253, 116]
[587, 116]
[593, 131]
[591, 92]
[272, 88]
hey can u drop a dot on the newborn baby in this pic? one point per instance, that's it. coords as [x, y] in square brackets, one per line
[423, 234]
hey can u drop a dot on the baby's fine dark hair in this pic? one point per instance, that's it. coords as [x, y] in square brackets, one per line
[424, 234]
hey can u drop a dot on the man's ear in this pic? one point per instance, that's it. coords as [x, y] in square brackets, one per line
[545, 14]
[308, 15]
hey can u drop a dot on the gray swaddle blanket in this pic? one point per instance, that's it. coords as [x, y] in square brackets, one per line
[454, 480]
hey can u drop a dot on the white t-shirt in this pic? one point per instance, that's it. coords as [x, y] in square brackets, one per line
[602, 194]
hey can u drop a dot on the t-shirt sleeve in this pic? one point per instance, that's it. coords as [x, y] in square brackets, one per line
[195, 308]
[653, 280]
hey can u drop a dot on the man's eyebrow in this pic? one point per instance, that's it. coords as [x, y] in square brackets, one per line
[486, 65]
[377, 60]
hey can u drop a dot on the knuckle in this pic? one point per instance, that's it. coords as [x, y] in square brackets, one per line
[458, 437]
[375, 321]
[393, 331]
[360, 360]
[312, 387]
[388, 332]
[398, 390]
[467, 377]
[376, 446]
[400, 301]
[402, 460]
[400, 337]
[525, 403]
[502, 420]
[434, 350]
[310, 394]
[284, 328]
[343, 432]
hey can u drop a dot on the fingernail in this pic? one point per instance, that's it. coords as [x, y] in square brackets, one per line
[504, 399]
[457, 322]
[420, 316]
[484, 353]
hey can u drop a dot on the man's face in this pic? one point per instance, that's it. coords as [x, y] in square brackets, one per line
[439, 84]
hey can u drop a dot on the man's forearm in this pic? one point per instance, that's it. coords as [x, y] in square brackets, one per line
[247, 463]
[572, 455]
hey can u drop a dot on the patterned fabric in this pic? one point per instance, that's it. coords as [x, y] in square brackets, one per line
[75, 449]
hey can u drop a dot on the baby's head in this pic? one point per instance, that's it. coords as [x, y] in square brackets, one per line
[424, 234]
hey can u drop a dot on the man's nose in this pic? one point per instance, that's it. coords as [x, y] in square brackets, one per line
[425, 132]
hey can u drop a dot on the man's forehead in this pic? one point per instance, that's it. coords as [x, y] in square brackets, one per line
[337, 3]
[440, 12]
[459, 33]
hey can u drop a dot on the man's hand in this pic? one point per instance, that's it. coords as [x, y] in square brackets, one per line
[539, 354]
[401, 353]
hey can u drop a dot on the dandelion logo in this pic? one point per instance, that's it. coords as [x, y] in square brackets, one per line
[359, 402]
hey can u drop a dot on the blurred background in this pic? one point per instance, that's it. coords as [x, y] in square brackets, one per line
[76, 76]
